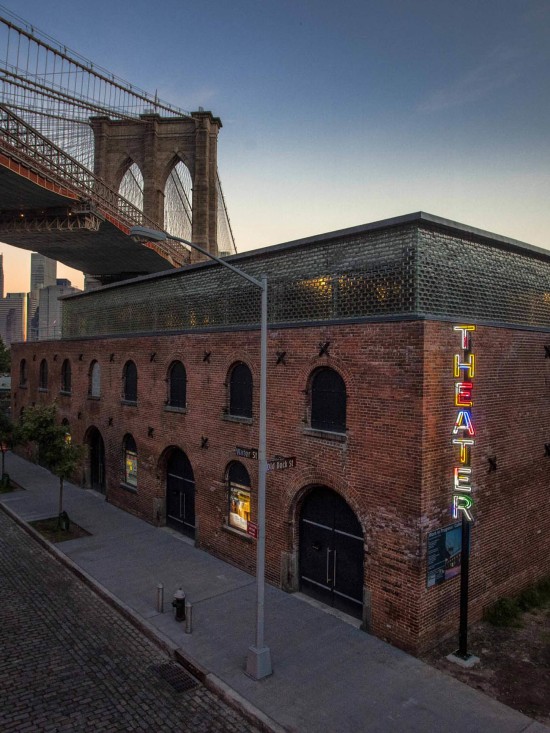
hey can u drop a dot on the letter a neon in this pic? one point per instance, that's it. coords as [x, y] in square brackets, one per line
[464, 422]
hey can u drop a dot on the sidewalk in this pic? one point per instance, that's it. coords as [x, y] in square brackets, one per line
[327, 675]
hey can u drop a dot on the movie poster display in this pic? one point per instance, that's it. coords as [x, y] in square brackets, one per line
[444, 554]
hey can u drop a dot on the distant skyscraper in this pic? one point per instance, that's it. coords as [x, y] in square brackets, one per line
[49, 309]
[43, 271]
[1, 276]
[13, 317]
[43, 275]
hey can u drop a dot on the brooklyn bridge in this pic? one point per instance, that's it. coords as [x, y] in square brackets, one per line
[84, 156]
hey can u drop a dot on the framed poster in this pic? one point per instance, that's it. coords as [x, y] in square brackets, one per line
[444, 554]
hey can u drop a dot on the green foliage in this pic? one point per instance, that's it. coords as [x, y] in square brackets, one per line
[5, 358]
[56, 451]
[9, 436]
[543, 589]
[530, 598]
[507, 611]
[8, 431]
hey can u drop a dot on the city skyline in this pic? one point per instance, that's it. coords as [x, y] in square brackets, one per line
[338, 116]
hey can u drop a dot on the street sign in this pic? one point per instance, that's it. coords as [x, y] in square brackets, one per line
[246, 452]
[279, 464]
[252, 530]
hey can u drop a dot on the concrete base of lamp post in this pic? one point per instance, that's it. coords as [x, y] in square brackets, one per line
[468, 661]
[258, 663]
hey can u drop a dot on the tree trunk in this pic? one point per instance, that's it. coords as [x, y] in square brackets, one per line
[3, 456]
[60, 496]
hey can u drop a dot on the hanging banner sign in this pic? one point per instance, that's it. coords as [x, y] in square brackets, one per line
[463, 434]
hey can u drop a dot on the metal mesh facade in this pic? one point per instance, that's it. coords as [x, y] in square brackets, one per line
[466, 277]
[413, 270]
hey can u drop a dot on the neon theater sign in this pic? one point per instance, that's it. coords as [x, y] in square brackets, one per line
[463, 430]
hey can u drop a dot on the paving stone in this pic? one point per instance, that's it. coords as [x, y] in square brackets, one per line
[71, 663]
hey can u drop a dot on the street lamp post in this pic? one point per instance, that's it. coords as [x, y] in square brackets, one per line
[258, 661]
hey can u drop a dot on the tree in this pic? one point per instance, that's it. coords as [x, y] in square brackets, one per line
[5, 358]
[8, 437]
[55, 448]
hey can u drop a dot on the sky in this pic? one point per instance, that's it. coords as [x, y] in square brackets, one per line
[337, 114]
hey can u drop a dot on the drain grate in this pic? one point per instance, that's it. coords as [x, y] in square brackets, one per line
[176, 676]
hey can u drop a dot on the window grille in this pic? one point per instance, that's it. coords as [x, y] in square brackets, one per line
[43, 375]
[328, 401]
[23, 373]
[94, 386]
[240, 391]
[66, 376]
[130, 382]
[177, 384]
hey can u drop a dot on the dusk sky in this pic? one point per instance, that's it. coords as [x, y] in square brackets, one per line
[337, 114]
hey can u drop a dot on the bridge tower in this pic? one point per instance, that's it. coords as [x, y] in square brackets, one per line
[156, 145]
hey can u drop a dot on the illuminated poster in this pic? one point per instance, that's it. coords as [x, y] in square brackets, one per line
[131, 468]
[239, 507]
[444, 554]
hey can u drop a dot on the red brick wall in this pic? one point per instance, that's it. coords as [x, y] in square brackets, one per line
[394, 468]
[510, 544]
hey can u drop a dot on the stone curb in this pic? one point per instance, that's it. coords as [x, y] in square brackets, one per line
[253, 714]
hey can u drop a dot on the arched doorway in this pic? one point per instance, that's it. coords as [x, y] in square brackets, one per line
[97, 460]
[180, 493]
[331, 552]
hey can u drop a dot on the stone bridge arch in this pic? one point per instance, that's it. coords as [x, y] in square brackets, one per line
[153, 143]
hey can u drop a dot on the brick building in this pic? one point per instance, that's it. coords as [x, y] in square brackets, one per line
[370, 332]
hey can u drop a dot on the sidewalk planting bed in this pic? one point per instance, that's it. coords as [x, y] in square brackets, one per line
[514, 663]
[50, 530]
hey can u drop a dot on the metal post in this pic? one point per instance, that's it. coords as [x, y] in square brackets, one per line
[258, 663]
[188, 617]
[160, 598]
[464, 573]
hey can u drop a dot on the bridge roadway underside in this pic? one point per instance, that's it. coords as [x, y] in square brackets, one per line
[63, 228]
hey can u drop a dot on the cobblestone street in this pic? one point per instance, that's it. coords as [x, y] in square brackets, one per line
[71, 663]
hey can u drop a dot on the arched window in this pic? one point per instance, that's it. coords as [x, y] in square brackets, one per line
[129, 390]
[177, 385]
[130, 460]
[66, 425]
[178, 202]
[66, 376]
[131, 186]
[328, 401]
[23, 373]
[94, 379]
[238, 491]
[43, 375]
[240, 391]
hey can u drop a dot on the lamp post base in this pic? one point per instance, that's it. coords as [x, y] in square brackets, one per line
[258, 662]
[464, 660]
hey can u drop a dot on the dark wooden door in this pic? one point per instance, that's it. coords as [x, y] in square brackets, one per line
[97, 462]
[180, 494]
[331, 552]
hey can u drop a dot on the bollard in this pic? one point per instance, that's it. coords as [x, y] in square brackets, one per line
[188, 618]
[160, 598]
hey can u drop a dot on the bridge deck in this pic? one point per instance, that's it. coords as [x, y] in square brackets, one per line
[105, 252]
